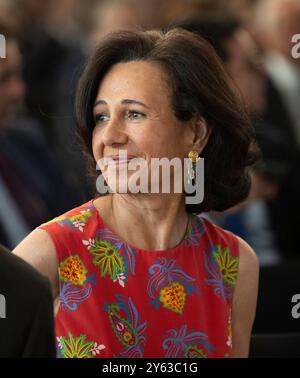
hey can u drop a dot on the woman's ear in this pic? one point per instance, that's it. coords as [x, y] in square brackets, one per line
[201, 133]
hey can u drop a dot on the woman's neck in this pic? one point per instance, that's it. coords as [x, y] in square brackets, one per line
[150, 222]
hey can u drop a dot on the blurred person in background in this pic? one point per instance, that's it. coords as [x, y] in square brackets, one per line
[243, 11]
[275, 22]
[273, 180]
[69, 20]
[42, 54]
[31, 184]
[176, 10]
[52, 42]
[111, 15]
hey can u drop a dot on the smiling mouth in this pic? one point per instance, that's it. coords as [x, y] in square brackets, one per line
[119, 162]
[120, 159]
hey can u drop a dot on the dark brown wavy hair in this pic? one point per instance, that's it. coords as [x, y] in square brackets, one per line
[200, 86]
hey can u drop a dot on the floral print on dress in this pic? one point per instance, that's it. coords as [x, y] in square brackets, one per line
[128, 328]
[222, 269]
[75, 222]
[108, 258]
[78, 347]
[74, 285]
[173, 297]
[115, 258]
[227, 264]
[169, 285]
[194, 233]
[149, 302]
[72, 270]
[189, 344]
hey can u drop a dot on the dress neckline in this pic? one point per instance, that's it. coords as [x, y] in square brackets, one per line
[193, 219]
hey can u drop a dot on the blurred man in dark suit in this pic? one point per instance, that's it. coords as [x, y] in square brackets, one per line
[275, 23]
[26, 310]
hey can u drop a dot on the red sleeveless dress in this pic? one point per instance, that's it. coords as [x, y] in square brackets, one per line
[120, 301]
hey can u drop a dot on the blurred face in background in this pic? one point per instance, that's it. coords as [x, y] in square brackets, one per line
[12, 87]
[113, 16]
[276, 21]
[246, 70]
[286, 25]
[36, 9]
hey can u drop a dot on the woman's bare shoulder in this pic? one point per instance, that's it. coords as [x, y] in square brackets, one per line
[35, 246]
[38, 250]
[248, 258]
[245, 298]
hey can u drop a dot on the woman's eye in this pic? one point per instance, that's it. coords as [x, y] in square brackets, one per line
[102, 117]
[132, 114]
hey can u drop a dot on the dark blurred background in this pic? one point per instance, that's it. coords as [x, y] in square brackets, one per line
[41, 167]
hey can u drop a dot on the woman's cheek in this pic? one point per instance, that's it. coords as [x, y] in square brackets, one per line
[96, 142]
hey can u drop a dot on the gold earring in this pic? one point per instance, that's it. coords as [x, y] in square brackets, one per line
[194, 156]
[191, 173]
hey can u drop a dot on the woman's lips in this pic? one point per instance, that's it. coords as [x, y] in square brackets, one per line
[119, 160]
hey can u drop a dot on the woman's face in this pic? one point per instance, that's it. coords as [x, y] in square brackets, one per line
[133, 112]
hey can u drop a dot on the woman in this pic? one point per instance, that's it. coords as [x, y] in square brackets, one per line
[140, 274]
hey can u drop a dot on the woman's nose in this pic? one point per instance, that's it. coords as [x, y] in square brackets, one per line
[114, 133]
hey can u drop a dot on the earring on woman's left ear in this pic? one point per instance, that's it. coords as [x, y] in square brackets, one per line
[191, 173]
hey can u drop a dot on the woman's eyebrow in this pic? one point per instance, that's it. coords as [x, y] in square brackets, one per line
[100, 102]
[129, 101]
[125, 101]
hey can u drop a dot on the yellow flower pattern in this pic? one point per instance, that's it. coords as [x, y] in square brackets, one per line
[227, 264]
[76, 347]
[108, 258]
